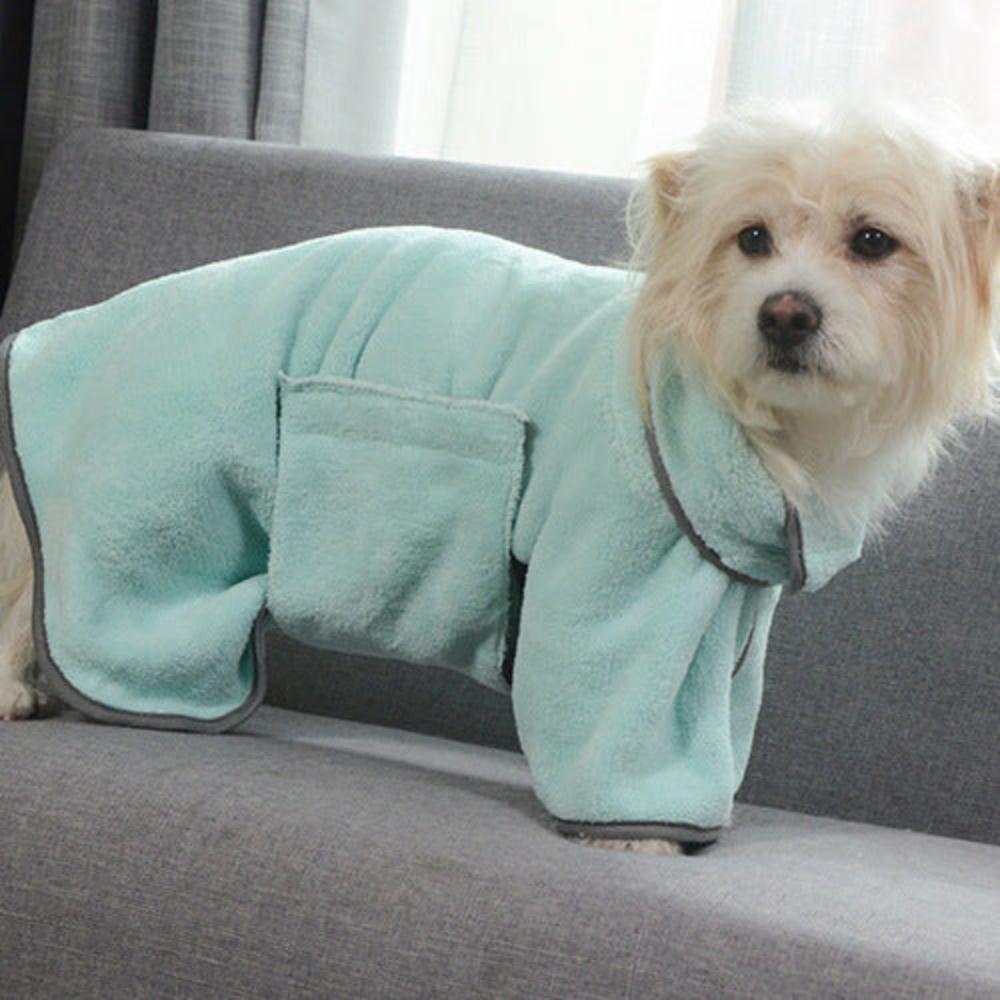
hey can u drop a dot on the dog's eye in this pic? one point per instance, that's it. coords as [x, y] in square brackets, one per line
[754, 241]
[872, 244]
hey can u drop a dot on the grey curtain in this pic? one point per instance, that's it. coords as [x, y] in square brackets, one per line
[210, 67]
[15, 44]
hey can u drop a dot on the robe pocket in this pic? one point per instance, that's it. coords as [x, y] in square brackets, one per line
[392, 523]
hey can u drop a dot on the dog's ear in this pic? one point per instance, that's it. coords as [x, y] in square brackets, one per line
[984, 229]
[666, 176]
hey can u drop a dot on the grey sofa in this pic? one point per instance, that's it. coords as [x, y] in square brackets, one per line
[371, 832]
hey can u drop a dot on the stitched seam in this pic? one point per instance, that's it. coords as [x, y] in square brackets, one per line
[746, 649]
[513, 497]
[679, 515]
[636, 823]
[796, 553]
[339, 384]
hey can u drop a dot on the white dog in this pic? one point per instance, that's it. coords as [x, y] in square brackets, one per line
[830, 282]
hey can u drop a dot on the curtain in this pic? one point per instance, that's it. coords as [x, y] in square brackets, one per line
[584, 86]
[598, 85]
[936, 53]
[592, 85]
[15, 43]
[353, 74]
[226, 68]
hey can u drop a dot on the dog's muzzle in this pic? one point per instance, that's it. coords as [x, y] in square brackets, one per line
[787, 320]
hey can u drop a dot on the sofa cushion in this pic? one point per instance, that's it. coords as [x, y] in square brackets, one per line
[307, 856]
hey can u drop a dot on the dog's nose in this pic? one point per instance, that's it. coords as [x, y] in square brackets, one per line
[787, 318]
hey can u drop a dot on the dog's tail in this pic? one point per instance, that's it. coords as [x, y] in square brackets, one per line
[15, 551]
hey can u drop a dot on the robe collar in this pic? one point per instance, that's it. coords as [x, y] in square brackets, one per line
[720, 495]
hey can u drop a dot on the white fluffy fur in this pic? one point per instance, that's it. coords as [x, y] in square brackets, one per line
[18, 699]
[905, 347]
[647, 846]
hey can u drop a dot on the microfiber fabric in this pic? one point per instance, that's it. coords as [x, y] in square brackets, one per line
[357, 438]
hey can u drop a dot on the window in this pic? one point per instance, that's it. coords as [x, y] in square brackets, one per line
[597, 85]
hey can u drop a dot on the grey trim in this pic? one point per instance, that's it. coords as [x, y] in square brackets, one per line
[667, 489]
[796, 554]
[685, 833]
[50, 669]
[746, 649]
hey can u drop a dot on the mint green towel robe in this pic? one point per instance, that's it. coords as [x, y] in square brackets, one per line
[358, 438]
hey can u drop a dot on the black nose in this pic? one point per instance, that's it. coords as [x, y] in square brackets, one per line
[786, 319]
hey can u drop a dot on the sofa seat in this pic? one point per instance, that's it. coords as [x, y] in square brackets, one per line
[310, 856]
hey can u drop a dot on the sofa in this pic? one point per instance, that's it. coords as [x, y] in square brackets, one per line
[371, 830]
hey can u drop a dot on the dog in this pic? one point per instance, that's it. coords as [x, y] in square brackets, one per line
[828, 281]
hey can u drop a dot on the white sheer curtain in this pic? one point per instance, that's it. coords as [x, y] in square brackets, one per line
[597, 85]
[589, 85]
[936, 52]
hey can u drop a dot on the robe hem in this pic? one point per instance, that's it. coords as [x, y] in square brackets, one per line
[687, 833]
[51, 671]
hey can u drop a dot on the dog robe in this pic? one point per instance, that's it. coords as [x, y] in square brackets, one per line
[367, 438]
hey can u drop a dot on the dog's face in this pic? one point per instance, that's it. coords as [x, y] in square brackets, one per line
[825, 269]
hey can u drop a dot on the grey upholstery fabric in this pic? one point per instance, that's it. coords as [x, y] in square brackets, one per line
[314, 857]
[108, 86]
[118, 207]
[229, 69]
[881, 696]
[882, 691]
[446, 704]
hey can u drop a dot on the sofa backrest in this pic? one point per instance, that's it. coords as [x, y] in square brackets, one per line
[882, 693]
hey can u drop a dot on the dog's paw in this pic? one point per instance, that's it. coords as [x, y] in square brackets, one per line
[646, 846]
[18, 701]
